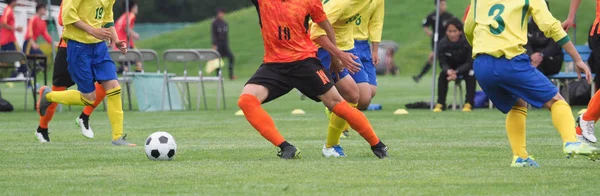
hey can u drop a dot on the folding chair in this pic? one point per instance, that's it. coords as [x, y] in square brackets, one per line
[150, 55]
[10, 57]
[207, 55]
[457, 97]
[184, 56]
[126, 59]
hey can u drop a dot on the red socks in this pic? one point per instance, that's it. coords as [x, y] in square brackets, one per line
[51, 109]
[260, 119]
[357, 120]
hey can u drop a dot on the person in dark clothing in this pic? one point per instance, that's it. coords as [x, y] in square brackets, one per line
[457, 63]
[429, 28]
[546, 55]
[220, 40]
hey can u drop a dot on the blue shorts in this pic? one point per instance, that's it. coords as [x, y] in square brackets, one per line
[364, 50]
[359, 77]
[504, 81]
[27, 49]
[88, 63]
[8, 47]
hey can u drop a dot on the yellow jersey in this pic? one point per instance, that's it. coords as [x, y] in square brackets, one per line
[343, 16]
[369, 25]
[499, 27]
[96, 13]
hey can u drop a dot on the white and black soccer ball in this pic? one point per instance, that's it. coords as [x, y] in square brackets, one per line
[160, 146]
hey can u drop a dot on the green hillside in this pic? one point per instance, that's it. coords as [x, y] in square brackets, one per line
[402, 25]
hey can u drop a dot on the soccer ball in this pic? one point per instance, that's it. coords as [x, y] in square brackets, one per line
[160, 146]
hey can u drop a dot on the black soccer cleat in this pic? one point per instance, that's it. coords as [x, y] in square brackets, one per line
[289, 152]
[42, 135]
[380, 150]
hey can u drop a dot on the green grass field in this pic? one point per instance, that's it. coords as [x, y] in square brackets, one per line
[450, 153]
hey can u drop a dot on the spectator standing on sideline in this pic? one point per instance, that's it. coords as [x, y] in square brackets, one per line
[456, 62]
[8, 41]
[36, 28]
[546, 55]
[428, 23]
[220, 40]
[123, 31]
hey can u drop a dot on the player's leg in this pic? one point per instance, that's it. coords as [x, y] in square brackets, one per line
[362, 50]
[425, 68]
[312, 80]
[83, 121]
[442, 92]
[586, 122]
[265, 85]
[471, 86]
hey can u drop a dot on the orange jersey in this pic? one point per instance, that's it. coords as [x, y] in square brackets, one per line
[597, 20]
[121, 27]
[7, 36]
[61, 43]
[284, 26]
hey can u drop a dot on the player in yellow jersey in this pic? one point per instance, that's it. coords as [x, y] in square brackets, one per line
[343, 15]
[87, 24]
[497, 30]
[369, 27]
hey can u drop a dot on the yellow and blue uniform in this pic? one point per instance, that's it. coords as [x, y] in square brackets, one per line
[370, 27]
[88, 56]
[343, 16]
[497, 30]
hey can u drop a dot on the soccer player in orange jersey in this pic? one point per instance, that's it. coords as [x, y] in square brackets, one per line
[586, 122]
[290, 62]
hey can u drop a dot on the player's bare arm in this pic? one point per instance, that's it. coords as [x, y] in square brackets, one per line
[120, 44]
[375, 53]
[580, 66]
[338, 56]
[101, 33]
[570, 21]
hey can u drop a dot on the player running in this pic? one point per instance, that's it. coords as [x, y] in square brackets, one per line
[87, 25]
[353, 85]
[369, 26]
[290, 62]
[61, 80]
[585, 122]
[497, 30]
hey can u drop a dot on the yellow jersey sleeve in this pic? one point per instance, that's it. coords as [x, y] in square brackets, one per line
[70, 11]
[547, 23]
[376, 22]
[334, 11]
[109, 17]
[470, 24]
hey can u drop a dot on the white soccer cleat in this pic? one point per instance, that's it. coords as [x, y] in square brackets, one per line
[334, 151]
[587, 129]
[84, 125]
[42, 137]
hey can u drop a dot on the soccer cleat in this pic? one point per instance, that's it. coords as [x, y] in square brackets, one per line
[416, 79]
[520, 162]
[84, 125]
[122, 142]
[580, 148]
[438, 108]
[587, 130]
[380, 150]
[43, 103]
[467, 107]
[334, 151]
[289, 152]
[42, 135]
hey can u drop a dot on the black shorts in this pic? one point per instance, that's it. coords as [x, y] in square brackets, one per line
[308, 76]
[61, 76]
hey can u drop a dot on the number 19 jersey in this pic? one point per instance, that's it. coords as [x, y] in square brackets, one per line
[284, 26]
[499, 27]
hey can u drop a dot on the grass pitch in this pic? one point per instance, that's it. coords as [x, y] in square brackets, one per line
[450, 153]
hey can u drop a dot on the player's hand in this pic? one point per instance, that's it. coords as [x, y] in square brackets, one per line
[102, 33]
[375, 58]
[568, 24]
[121, 45]
[214, 47]
[35, 45]
[135, 36]
[19, 29]
[348, 60]
[580, 66]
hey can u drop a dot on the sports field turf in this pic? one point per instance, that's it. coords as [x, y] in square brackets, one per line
[450, 153]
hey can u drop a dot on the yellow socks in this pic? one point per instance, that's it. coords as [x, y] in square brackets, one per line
[115, 112]
[562, 118]
[337, 125]
[68, 97]
[515, 128]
